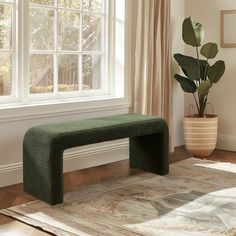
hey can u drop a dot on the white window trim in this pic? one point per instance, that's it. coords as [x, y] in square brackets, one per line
[18, 109]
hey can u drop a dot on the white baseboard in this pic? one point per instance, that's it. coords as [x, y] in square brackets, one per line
[95, 156]
[74, 159]
[226, 142]
[10, 174]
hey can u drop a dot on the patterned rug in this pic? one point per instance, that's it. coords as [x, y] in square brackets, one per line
[197, 198]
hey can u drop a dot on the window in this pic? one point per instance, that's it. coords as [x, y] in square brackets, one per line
[66, 49]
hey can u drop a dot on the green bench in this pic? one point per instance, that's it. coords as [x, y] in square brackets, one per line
[44, 145]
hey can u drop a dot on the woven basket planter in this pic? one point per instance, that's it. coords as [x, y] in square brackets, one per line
[200, 134]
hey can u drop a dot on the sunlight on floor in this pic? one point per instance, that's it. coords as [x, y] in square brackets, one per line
[206, 213]
[223, 166]
[15, 228]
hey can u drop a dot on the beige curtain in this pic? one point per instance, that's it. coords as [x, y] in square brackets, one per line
[151, 62]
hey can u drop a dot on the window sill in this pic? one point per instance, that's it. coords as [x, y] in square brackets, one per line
[54, 108]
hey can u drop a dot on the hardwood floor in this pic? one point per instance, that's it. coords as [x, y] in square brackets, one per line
[73, 181]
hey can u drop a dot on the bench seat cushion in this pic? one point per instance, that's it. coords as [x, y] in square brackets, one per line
[82, 132]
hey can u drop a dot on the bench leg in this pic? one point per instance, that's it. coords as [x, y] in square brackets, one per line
[43, 174]
[150, 153]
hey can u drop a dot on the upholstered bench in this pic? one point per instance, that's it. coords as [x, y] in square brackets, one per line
[44, 145]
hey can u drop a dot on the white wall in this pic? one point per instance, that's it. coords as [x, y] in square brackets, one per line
[177, 17]
[222, 95]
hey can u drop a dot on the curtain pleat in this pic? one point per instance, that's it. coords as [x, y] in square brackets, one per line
[151, 60]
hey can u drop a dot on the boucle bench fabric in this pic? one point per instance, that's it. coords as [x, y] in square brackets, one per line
[44, 145]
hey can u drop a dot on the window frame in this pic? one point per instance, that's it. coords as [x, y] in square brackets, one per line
[21, 94]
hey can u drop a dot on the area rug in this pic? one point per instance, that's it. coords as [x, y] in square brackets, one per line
[197, 198]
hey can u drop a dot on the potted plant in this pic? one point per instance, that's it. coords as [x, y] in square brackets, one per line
[200, 130]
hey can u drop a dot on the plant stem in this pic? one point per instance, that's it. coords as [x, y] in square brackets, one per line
[198, 65]
[202, 105]
[198, 82]
[205, 101]
[205, 72]
[196, 103]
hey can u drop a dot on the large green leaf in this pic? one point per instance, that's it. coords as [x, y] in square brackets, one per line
[216, 71]
[192, 32]
[189, 66]
[209, 50]
[204, 87]
[187, 85]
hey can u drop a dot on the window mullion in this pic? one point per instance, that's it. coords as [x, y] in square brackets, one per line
[111, 45]
[14, 51]
[80, 55]
[24, 49]
[55, 84]
[104, 79]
